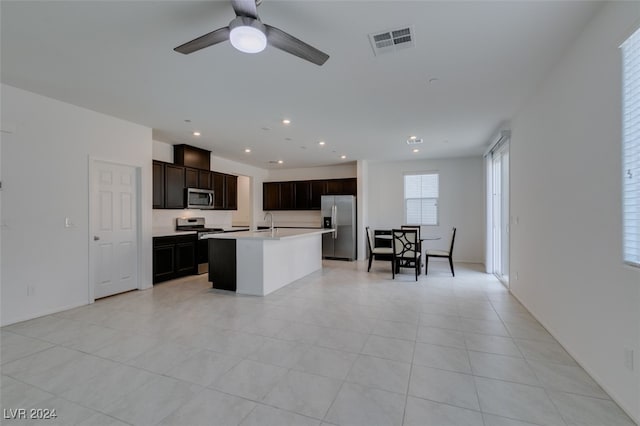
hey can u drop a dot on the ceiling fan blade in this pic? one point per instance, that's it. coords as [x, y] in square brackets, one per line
[245, 8]
[288, 43]
[214, 37]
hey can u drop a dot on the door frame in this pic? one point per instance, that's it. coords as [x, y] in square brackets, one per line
[138, 218]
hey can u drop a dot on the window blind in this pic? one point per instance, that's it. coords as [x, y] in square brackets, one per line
[631, 148]
[421, 199]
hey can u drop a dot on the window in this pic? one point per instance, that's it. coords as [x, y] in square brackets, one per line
[421, 199]
[631, 148]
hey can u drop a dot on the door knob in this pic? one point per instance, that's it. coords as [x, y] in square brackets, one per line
[96, 238]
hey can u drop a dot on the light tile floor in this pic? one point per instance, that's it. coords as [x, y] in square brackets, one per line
[339, 347]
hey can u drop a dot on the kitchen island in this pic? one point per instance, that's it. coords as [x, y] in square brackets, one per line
[260, 262]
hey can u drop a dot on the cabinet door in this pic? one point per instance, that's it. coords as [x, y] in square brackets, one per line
[218, 190]
[204, 179]
[342, 186]
[270, 196]
[302, 191]
[174, 186]
[287, 196]
[231, 192]
[318, 189]
[163, 259]
[186, 256]
[191, 178]
[158, 185]
[350, 186]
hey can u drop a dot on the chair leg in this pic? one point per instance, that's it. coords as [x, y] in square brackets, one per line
[451, 265]
[370, 260]
[426, 264]
[393, 269]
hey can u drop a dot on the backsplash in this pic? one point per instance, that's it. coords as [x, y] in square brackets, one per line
[302, 219]
[213, 218]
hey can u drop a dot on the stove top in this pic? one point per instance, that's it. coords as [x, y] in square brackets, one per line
[194, 224]
[198, 229]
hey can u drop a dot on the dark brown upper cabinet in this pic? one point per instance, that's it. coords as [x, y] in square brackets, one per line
[158, 185]
[342, 186]
[302, 191]
[190, 156]
[191, 178]
[304, 195]
[170, 181]
[174, 179]
[204, 179]
[231, 192]
[271, 196]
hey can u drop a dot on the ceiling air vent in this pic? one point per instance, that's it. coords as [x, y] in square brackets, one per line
[391, 40]
[414, 141]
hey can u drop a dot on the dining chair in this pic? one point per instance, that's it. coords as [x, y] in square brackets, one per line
[405, 244]
[416, 227]
[373, 250]
[441, 253]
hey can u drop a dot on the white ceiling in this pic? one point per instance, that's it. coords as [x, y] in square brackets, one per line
[117, 57]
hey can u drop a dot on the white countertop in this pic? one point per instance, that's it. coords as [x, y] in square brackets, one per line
[279, 234]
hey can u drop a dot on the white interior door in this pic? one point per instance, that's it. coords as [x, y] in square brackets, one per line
[114, 236]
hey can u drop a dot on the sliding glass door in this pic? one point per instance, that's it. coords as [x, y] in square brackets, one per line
[499, 213]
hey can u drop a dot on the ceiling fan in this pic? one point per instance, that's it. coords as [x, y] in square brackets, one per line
[248, 34]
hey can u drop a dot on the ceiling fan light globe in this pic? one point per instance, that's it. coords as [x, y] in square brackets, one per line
[248, 39]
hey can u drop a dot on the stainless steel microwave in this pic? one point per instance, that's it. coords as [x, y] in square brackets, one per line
[199, 198]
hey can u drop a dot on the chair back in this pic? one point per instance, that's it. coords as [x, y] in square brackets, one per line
[370, 241]
[416, 227]
[405, 243]
[453, 240]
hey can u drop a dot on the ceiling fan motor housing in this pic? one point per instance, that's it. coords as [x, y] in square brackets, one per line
[247, 34]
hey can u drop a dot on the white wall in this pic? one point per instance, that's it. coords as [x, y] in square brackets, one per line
[339, 171]
[45, 178]
[461, 202]
[566, 195]
[242, 216]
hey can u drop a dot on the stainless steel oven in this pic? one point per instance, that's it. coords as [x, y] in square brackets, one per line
[202, 248]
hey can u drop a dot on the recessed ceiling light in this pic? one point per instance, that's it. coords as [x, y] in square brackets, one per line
[280, 161]
[416, 150]
[321, 143]
[413, 138]
[286, 121]
[343, 156]
[247, 150]
[196, 133]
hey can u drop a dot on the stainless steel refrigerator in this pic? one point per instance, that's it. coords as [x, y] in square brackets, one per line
[339, 213]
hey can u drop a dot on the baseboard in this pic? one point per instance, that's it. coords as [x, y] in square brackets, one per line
[43, 313]
[591, 373]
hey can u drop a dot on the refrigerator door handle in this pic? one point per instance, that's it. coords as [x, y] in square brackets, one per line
[334, 219]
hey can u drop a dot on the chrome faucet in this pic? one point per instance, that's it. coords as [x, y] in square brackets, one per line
[271, 217]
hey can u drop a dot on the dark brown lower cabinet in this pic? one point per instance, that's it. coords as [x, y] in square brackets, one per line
[222, 264]
[174, 257]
